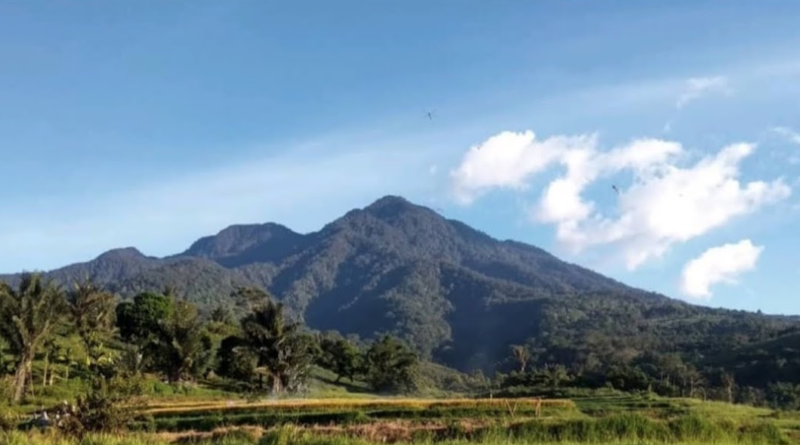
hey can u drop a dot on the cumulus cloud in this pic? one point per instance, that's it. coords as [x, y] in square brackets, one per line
[702, 86]
[667, 203]
[507, 159]
[722, 264]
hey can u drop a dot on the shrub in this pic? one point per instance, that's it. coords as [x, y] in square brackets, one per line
[107, 407]
[7, 421]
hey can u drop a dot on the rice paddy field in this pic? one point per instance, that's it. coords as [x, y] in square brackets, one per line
[609, 419]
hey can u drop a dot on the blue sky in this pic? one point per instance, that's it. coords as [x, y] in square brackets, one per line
[153, 123]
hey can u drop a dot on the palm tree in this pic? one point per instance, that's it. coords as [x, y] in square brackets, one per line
[27, 317]
[276, 343]
[522, 355]
[184, 349]
[92, 311]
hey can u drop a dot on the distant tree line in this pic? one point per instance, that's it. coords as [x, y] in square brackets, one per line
[49, 332]
[664, 374]
[84, 331]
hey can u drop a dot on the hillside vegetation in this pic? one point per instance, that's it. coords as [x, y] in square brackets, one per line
[459, 298]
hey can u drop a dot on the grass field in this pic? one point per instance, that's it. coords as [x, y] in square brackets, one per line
[608, 419]
[347, 414]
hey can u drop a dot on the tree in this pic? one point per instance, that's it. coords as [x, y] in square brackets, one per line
[728, 383]
[556, 375]
[184, 348]
[28, 315]
[522, 355]
[692, 379]
[249, 298]
[302, 350]
[131, 359]
[108, 406]
[390, 365]
[236, 360]
[138, 321]
[93, 314]
[783, 395]
[222, 324]
[276, 342]
[340, 356]
[222, 315]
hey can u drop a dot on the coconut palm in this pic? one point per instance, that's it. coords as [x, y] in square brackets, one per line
[28, 316]
[184, 348]
[92, 311]
[277, 343]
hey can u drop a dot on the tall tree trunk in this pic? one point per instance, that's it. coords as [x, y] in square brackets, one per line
[21, 377]
[277, 388]
[46, 366]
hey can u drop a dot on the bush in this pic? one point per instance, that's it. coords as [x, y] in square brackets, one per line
[783, 395]
[107, 406]
[7, 420]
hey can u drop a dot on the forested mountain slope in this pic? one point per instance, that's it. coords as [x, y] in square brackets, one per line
[458, 295]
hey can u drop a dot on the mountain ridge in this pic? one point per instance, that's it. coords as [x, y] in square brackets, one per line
[458, 295]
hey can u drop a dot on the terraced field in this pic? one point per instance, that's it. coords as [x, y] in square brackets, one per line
[610, 419]
[198, 416]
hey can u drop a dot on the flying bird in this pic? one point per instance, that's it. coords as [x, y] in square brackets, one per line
[615, 189]
[430, 115]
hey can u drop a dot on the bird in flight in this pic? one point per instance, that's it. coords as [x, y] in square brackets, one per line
[615, 189]
[430, 114]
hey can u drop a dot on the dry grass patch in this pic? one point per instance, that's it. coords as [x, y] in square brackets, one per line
[341, 404]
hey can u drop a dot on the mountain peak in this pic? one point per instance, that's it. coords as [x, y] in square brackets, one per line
[389, 201]
[123, 253]
[266, 241]
[391, 206]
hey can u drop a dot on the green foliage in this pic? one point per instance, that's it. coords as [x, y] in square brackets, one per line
[340, 356]
[284, 352]
[783, 395]
[183, 348]
[222, 315]
[7, 421]
[107, 407]
[28, 316]
[453, 294]
[390, 365]
[235, 360]
[92, 313]
[138, 321]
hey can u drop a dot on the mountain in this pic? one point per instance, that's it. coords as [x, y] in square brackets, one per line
[458, 295]
[244, 244]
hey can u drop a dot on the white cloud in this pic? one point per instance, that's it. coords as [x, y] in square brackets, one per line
[506, 160]
[701, 86]
[787, 154]
[668, 202]
[791, 135]
[722, 264]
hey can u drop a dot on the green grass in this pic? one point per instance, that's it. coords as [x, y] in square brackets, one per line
[344, 413]
[620, 429]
